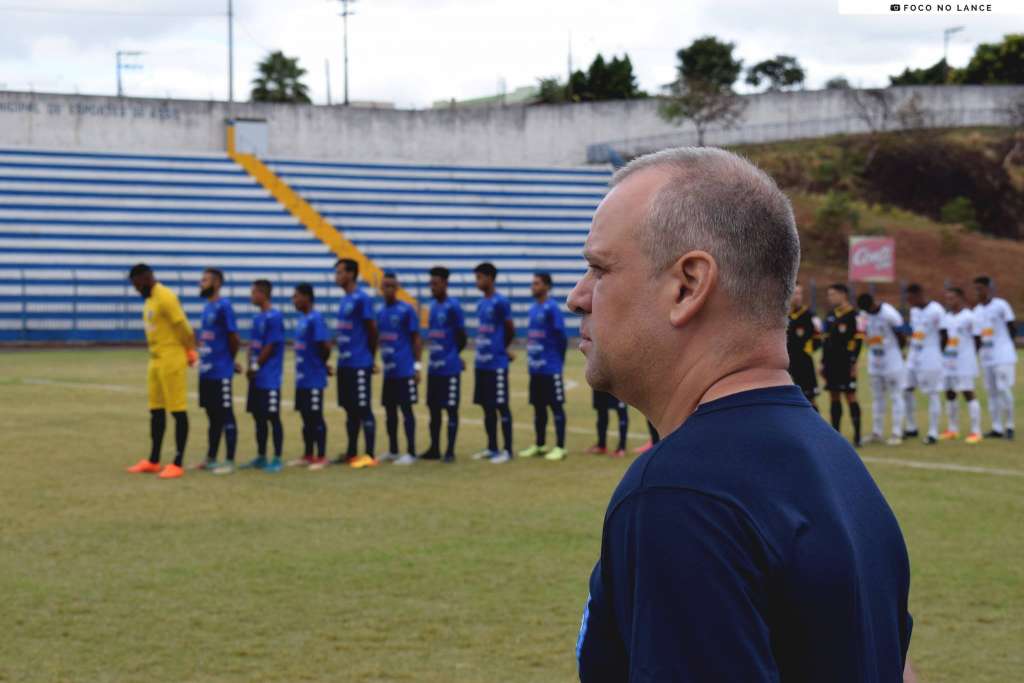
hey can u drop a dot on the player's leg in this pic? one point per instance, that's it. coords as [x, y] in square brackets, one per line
[910, 404]
[483, 396]
[351, 432]
[835, 409]
[952, 412]
[995, 413]
[877, 384]
[452, 408]
[157, 427]
[308, 434]
[175, 381]
[505, 416]
[602, 430]
[262, 432]
[491, 427]
[369, 425]
[434, 449]
[1005, 379]
[157, 421]
[623, 412]
[557, 401]
[538, 401]
[894, 388]
[504, 413]
[277, 434]
[391, 424]
[974, 416]
[854, 405]
[230, 427]
[409, 425]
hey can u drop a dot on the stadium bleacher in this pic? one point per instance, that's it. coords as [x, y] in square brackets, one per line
[72, 223]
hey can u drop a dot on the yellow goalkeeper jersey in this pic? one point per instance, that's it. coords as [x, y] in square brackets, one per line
[167, 330]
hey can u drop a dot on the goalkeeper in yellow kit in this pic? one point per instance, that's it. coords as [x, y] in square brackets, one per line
[172, 347]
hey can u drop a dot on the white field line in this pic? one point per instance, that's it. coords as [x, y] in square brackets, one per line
[914, 464]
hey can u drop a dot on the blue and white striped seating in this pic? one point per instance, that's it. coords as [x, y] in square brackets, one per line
[72, 223]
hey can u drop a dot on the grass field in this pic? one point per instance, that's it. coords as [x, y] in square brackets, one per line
[473, 572]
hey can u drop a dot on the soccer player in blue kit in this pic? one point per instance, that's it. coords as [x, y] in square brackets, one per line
[357, 344]
[266, 362]
[751, 543]
[446, 338]
[545, 346]
[398, 328]
[312, 350]
[495, 331]
[218, 344]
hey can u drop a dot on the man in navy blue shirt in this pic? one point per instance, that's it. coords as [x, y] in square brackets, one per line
[357, 344]
[751, 543]
[312, 349]
[494, 332]
[218, 344]
[445, 339]
[545, 346]
[266, 363]
[398, 327]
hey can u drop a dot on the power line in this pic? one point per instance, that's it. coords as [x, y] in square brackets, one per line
[102, 12]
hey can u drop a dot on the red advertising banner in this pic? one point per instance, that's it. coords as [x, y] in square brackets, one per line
[872, 259]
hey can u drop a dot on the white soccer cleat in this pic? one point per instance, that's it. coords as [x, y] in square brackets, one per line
[483, 455]
[406, 459]
[501, 458]
[894, 441]
[389, 457]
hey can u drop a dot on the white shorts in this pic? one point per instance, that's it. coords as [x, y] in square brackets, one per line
[1003, 376]
[959, 383]
[926, 381]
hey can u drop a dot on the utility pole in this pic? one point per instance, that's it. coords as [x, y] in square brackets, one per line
[122, 66]
[231, 56]
[327, 72]
[568, 80]
[945, 49]
[345, 13]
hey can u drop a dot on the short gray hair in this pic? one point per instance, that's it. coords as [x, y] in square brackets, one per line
[721, 203]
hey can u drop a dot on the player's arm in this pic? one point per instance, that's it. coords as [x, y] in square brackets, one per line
[557, 325]
[179, 323]
[461, 338]
[1012, 329]
[943, 338]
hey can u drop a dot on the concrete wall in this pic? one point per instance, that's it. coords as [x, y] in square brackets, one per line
[537, 135]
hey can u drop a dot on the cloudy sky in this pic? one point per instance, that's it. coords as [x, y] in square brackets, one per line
[413, 52]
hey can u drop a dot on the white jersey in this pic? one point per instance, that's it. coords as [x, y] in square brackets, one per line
[959, 359]
[996, 346]
[925, 353]
[884, 356]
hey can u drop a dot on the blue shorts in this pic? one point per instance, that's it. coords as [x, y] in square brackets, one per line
[309, 400]
[263, 401]
[546, 390]
[491, 388]
[443, 391]
[398, 391]
[215, 393]
[354, 388]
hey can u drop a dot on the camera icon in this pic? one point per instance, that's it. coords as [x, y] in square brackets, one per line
[894, 7]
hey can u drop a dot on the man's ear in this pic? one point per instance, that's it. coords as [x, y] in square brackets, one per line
[693, 277]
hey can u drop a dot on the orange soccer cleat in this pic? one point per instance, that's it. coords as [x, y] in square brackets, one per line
[171, 472]
[597, 450]
[949, 435]
[144, 466]
[973, 439]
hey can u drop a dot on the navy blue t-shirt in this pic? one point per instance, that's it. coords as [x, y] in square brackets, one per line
[752, 545]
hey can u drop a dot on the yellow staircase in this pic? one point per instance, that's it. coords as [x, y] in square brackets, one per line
[310, 217]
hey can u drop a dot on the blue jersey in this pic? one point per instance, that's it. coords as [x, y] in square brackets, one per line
[396, 324]
[310, 369]
[353, 346]
[446, 322]
[546, 341]
[268, 328]
[750, 544]
[215, 361]
[491, 313]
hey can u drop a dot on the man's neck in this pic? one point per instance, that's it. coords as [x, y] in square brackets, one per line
[390, 302]
[214, 298]
[716, 376]
[441, 298]
[488, 293]
[265, 306]
[541, 299]
[351, 287]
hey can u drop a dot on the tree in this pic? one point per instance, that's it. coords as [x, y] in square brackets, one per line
[612, 80]
[997, 63]
[837, 83]
[936, 74]
[780, 72]
[702, 92]
[280, 80]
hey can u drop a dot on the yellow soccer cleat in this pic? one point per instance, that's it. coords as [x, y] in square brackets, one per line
[556, 454]
[532, 452]
[973, 439]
